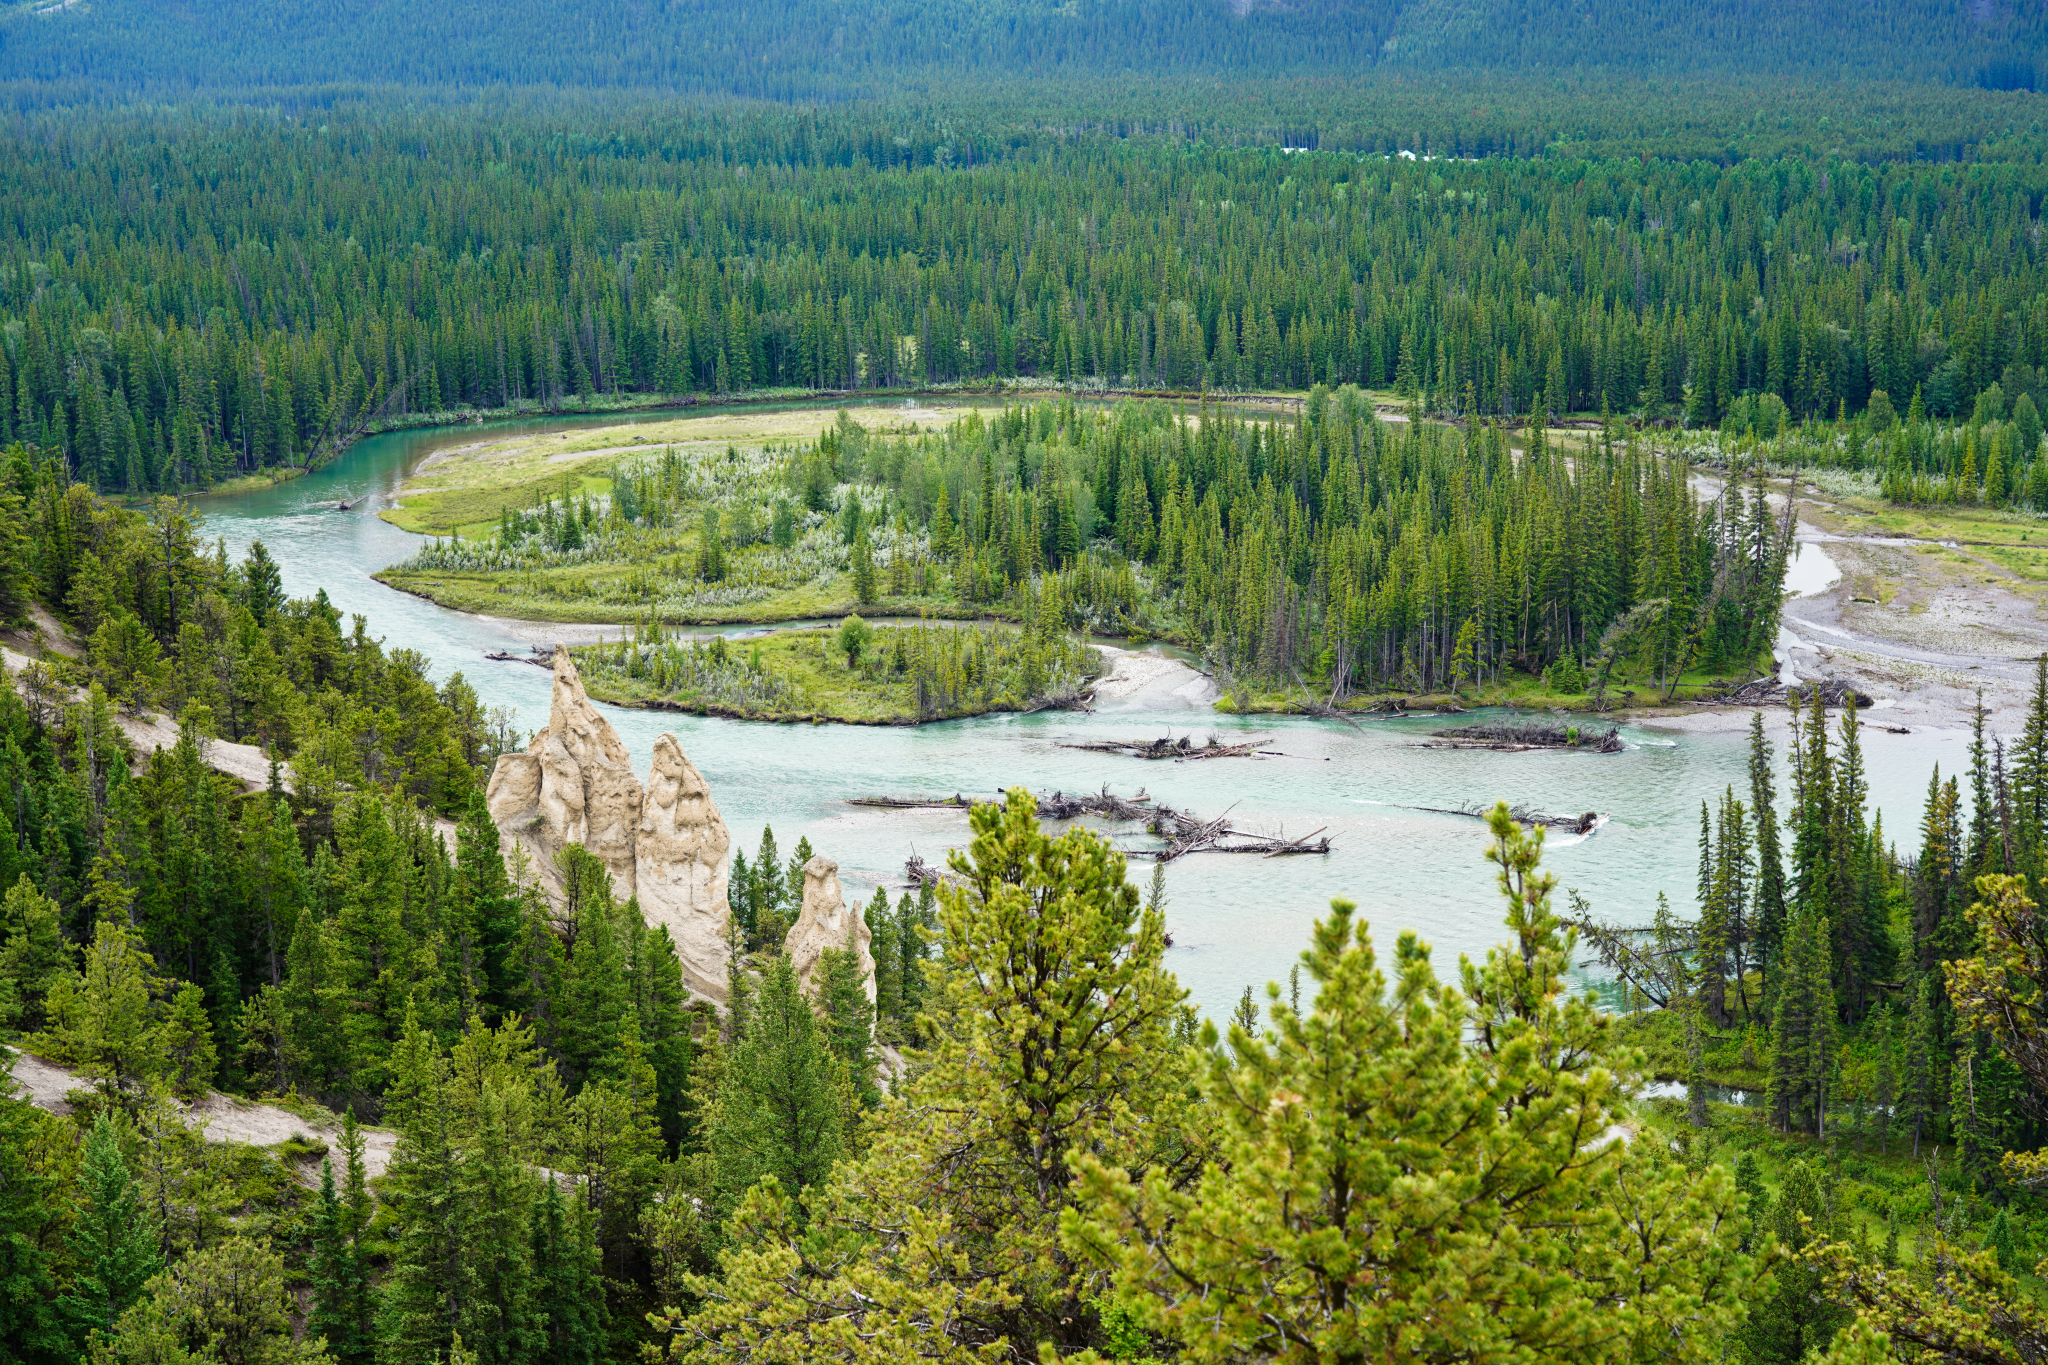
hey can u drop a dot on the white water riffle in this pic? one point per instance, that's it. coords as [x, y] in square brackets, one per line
[1236, 920]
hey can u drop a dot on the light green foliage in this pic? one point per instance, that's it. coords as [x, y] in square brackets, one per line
[854, 636]
[1419, 1171]
[1054, 1035]
[103, 1021]
[33, 956]
[188, 1051]
[226, 1304]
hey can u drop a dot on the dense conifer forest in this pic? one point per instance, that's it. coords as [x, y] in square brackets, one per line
[189, 303]
[1555, 299]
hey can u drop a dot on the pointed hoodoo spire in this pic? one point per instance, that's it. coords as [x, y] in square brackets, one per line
[826, 921]
[665, 843]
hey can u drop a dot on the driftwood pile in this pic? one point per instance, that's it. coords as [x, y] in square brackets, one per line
[536, 658]
[1183, 832]
[1059, 806]
[1758, 691]
[1166, 746]
[954, 802]
[1516, 736]
[1831, 691]
[1523, 815]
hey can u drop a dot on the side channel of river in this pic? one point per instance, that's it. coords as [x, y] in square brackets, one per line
[1235, 920]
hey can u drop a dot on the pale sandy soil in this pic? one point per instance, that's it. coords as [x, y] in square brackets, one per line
[224, 1117]
[1137, 678]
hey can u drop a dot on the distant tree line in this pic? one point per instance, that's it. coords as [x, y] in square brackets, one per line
[188, 303]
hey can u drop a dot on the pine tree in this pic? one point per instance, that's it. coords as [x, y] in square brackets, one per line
[1053, 1023]
[103, 1021]
[187, 1043]
[1332, 1126]
[113, 1241]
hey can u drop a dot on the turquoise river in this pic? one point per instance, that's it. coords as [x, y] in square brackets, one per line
[1235, 920]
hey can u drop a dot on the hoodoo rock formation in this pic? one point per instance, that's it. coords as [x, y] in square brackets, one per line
[665, 844]
[826, 921]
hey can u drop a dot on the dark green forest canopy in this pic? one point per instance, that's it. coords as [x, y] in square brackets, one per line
[189, 297]
[810, 48]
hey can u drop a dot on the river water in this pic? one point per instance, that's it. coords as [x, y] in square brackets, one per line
[1236, 920]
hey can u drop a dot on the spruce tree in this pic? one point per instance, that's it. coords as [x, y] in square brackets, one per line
[496, 1191]
[419, 1303]
[343, 1302]
[1770, 866]
[662, 1007]
[741, 895]
[568, 1294]
[485, 909]
[849, 1019]
[1803, 1029]
[113, 1241]
[1798, 1318]
[881, 922]
[31, 1210]
[778, 1113]
[793, 875]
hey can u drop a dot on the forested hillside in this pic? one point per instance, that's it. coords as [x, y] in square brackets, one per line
[815, 48]
[189, 300]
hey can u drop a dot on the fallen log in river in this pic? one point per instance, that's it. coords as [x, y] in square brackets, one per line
[1178, 749]
[1519, 736]
[1183, 832]
[1571, 824]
